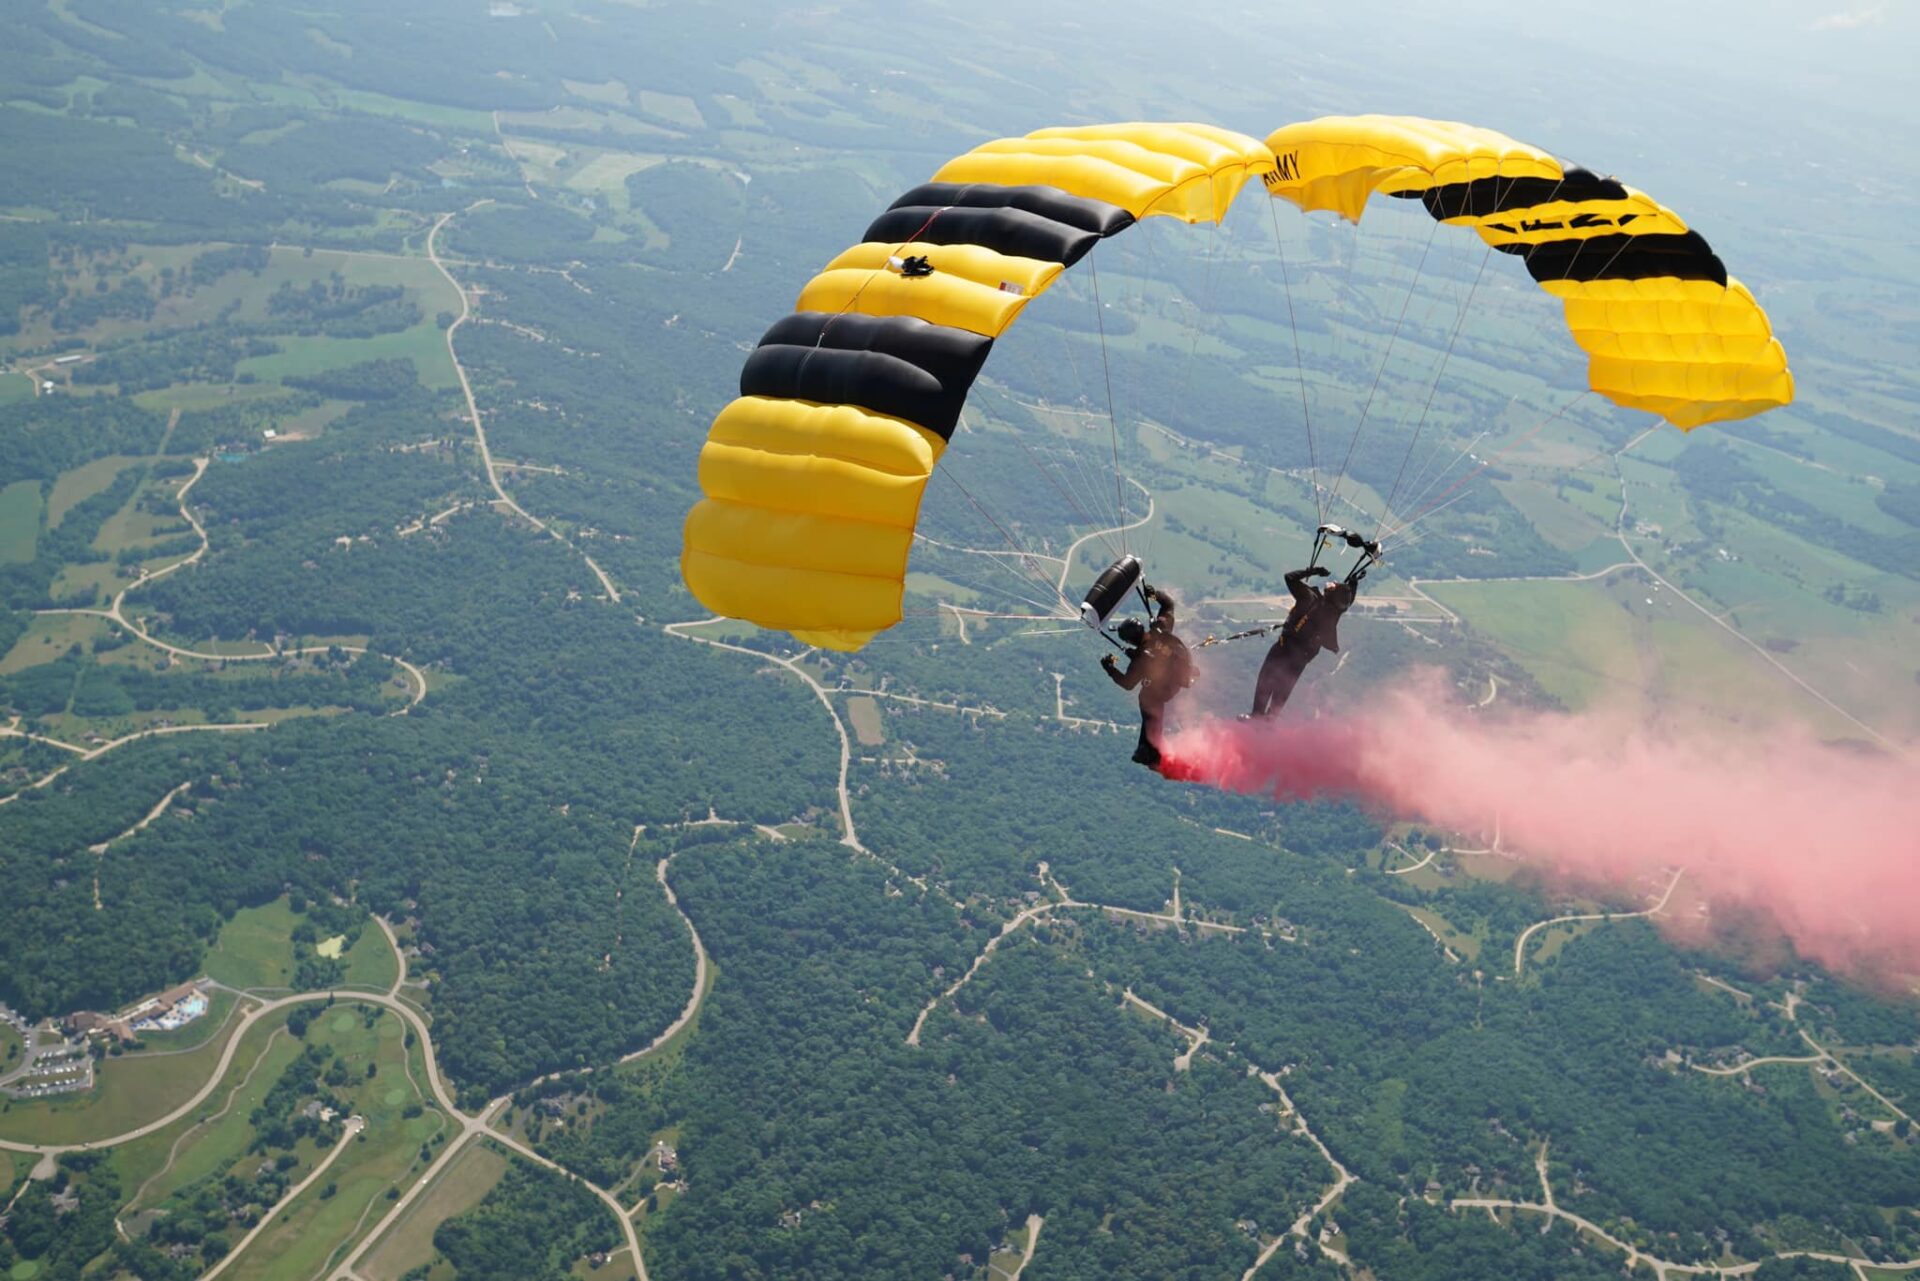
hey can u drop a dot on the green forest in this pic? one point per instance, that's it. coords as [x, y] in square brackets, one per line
[358, 358]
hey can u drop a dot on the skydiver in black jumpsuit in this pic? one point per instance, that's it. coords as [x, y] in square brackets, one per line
[1158, 665]
[1311, 626]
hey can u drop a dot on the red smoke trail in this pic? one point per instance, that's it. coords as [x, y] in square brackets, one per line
[1824, 840]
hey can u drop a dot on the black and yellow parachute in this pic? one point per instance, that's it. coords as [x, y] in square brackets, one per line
[813, 477]
[1664, 327]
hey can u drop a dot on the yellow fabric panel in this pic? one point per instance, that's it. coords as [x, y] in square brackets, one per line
[971, 288]
[1537, 224]
[817, 541]
[1338, 162]
[808, 517]
[1661, 305]
[785, 599]
[1190, 172]
[1691, 351]
[840, 431]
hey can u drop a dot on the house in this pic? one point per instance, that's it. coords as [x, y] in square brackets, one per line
[88, 1023]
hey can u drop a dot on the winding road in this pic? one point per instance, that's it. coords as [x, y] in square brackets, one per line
[501, 497]
[1520, 944]
[353, 1127]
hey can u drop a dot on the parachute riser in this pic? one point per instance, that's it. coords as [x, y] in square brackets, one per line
[1370, 554]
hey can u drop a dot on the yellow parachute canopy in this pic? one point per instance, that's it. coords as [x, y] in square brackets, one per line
[813, 477]
[1664, 327]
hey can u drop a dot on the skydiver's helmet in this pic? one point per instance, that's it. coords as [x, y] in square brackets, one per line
[1132, 631]
[1338, 595]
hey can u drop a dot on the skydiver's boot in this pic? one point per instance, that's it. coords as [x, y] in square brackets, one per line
[1145, 753]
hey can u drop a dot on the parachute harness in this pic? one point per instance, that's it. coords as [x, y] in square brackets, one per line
[1370, 555]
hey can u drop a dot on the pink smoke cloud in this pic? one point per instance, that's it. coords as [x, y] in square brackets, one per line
[1823, 839]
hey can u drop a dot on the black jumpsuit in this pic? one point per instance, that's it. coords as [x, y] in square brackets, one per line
[1310, 628]
[1159, 667]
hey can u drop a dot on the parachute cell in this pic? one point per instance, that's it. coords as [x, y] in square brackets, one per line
[1664, 328]
[813, 477]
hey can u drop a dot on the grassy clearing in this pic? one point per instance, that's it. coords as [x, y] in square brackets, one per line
[610, 93]
[865, 715]
[130, 528]
[12, 1044]
[19, 521]
[311, 422]
[255, 948]
[95, 583]
[1548, 509]
[423, 344]
[672, 107]
[1486, 867]
[49, 636]
[131, 1090]
[247, 295]
[15, 388]
[213, 1139]
[310, 1233]
[370, 962]
[460, 119]
[1574, 638]
[606, 172]
[195, 397]
[1448, 933]
[462, 1185]
[1548, 943]
[83, 482]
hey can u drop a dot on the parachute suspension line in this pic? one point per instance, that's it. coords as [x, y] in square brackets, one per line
[1439, 372]
[959, 564]
[1193, 346]
[1299, 368]
[1113, 423]
[1041, 467]
[1499, 197]
[1442, 474]
[1035, 576]
[1087, 478]
[1488, 461]
[1486, 255]
[1105, 535]
[1380, 373]
[1193, 317]
[1039, 384]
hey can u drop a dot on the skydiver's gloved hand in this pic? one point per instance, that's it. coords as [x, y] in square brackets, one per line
[1107, 661]
[1318, 571]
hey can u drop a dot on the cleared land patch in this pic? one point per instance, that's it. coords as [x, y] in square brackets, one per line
[19, 521]
[677, 108]
[461, 1186]
[865, 715]
[81, 483]
[49, 636]
[310, 1232]
[255, 948]
[370, 961]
